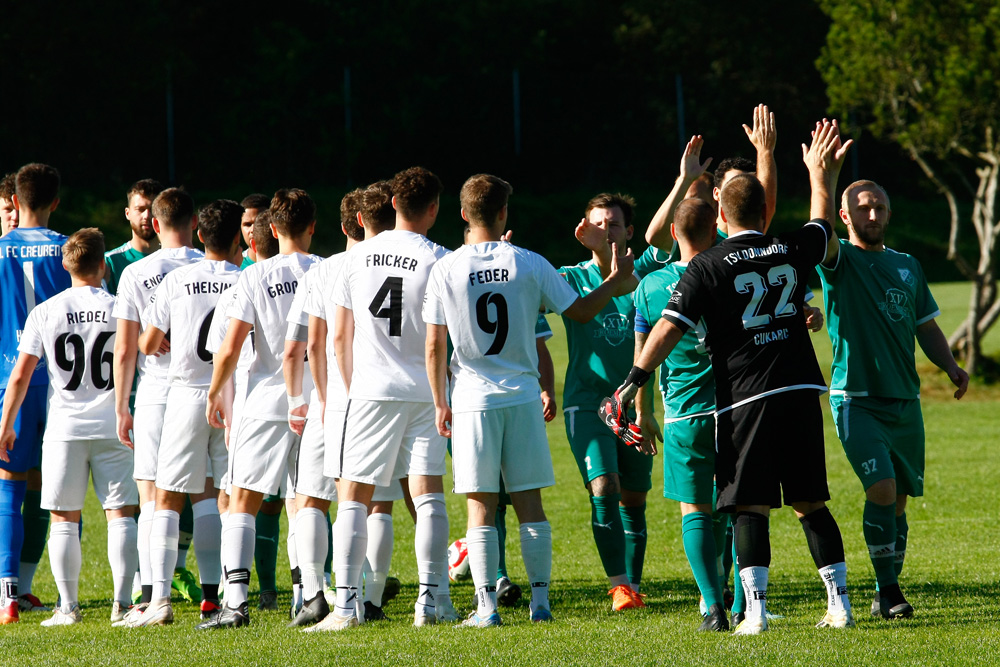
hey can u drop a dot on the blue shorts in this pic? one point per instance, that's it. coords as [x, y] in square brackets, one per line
[29, 426]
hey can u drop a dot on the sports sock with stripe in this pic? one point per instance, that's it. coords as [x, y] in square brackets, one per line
[609, 536]
[123, 556]
[66, 558]
[238, 557]
[142, 542]
[11, 531]
[328, 562]
[699, 547]
[36, 527]
[350, 537]
[500, 521]
[827, 548]
[311, 548]
[185, 533]
[163, 551]
[536, 550]
[207, 543]
[266, 550]
[430, 540]
[753, 557]
[634, 527]
[379, 555]
[902, 532]
[483, 547]
[879, 524]
[739, 593]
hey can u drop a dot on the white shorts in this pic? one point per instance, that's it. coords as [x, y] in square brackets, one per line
[263, 456]
[509, 441]
[66, 466]
[333, 430]
[147, 426]
[190, 450]
[309, 479]
[387, 440]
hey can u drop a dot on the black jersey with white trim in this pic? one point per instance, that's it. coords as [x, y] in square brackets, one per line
[750, 289]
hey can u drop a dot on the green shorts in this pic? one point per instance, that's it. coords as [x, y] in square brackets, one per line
[883, 439]
[598, 452]
[689, 460]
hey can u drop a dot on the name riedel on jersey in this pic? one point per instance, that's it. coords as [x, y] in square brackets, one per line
[86, 316]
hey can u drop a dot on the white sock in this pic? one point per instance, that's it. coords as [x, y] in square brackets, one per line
[26, 574]
[310, 546]
[430, 540]
[835, 578]
[163, 550]
[350, 535]
[66, 558]
[123, 556]
[536, 551]
[208, 540]
[483, 544]
[241, 533]
[380, 543]
[142, 542]
[754, 581]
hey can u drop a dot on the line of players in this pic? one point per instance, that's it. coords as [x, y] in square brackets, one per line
[385, 422]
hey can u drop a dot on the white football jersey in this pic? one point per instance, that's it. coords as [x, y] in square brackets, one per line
[135, 288]
[184, 303]
[298, 317]
[75, 332]
[489, 295]
[383, 283]
[263, 298]
[319, 303]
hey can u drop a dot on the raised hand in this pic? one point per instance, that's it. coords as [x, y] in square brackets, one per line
[764, 133]
[622, 266]
[826, 152]
[691, 165]
[593, 237]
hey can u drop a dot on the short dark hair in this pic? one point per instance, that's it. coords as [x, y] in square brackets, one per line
[263, 240]
[83, 252]
[731, 163]
[845, 198]
[147, 187]
[376, 207]
[292, 209]
[256, 201]
[743, 200]
[8, 186]
[415, 189]
[173, 208]
[350, 206]
[483, 197]
[693, 221]
[219, 224]
[607, 200]
[36, 186]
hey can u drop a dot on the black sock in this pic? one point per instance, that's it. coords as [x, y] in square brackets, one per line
[823, 535]
[210, 592]
[753, 542]
[147, 594]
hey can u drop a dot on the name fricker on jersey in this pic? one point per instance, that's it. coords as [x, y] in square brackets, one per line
[390, 260]
[86, 316]
[206, 287]
[33, 251]
[489, 276]
[752, 253]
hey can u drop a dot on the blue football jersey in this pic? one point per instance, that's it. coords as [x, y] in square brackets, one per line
[31, 271]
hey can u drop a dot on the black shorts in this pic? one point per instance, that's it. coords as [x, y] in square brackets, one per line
[769, 446]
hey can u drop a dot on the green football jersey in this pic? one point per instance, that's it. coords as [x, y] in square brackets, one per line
[246, 260]
[651, 260]
[117, 260]
[874, 303]
[686, 379]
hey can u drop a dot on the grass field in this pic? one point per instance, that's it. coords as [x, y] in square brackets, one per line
[951, 577]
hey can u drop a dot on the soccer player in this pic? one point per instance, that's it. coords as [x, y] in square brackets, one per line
[75, 331]
[139, 214]
[389, 430]
[8, 211]
[688, 389]
[252, 205]
[487, 295]
[747, 289]
[878, 302]
[31, 271]
[264, 450]
[174, 221]
[616, 476]
[184, 304]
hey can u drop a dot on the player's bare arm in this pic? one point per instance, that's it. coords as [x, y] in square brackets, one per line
[343, 344]
[644, 416]
[316, 348]
[223, 366]
[586, 308]
[150, 340]
[824, 157]
[658, 231]
[126, 353]
[546, 380]
[935, 346]
[17, 388]
[435, 358]
[293, 368]
[764, 136]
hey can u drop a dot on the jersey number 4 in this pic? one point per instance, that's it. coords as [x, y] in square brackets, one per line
[754, 284]
[99, 357]
[393, 289]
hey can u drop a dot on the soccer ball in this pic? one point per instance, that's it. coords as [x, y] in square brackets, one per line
[458, 561]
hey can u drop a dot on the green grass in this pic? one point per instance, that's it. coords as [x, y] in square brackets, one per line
[951, 577]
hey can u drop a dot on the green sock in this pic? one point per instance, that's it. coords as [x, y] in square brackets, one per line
[609, 535]
[879, 522]
[634, 525]
[186, 528]
[265, 555]
[739, 595]
[501, 525]
[328, 563]
[36, 527]
[699, 546]
[902, 529]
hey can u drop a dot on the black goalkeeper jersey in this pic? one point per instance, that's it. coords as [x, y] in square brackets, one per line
[750, 289]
